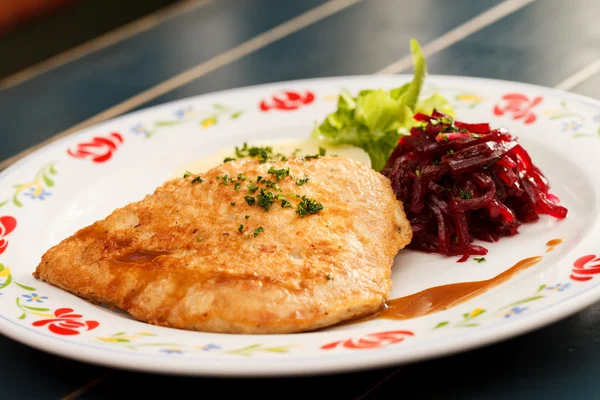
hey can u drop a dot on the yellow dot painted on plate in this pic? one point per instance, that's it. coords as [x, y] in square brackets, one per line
[476, 312]
[208, 122]
[330, 97]
[5, 272]
[469, 97]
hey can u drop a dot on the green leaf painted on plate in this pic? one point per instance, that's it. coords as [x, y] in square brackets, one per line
[542, 287]
[466, 315]
[525, 300]
[3, 203]
[136, 346]
[469, 325]
[16, 201]
[441, 324]
[25, 287]
[245, 351]
[236, 114]
[166, 123]
[52, 170]
[40, 309]
[221, 107]
[6, 282]
[280, 349]
[119, 333]
[114, 340]
[49, 182]
[23, 316]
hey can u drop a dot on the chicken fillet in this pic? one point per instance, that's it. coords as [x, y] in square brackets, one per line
[308, 245]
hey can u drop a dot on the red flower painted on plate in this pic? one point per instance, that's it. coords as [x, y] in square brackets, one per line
[7, 225]
[371, 341]
[287, 101]
[584, 267]
[67, 323]
[519, 106]
[99, 149]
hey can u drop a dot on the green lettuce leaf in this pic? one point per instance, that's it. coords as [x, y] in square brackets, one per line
[376, 118]
[435, 101]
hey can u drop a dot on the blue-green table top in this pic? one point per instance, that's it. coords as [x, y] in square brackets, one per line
[544, 42]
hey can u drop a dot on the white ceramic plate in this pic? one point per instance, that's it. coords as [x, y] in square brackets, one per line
[75, 181]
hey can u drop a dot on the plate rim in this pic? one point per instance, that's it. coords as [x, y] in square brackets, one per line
[377, 358]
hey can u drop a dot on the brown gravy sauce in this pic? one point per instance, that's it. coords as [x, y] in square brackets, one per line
[141, 256]
[441, 297]
[141, 267]
[552, 244]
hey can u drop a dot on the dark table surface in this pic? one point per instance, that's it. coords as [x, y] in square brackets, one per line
[201, 46]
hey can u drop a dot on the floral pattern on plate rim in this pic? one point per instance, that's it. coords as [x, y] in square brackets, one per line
[64, 321]
[187, 114]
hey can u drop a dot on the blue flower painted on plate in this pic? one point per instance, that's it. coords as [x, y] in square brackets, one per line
[37, 194]
[514, 311]
[209, 347]
[571, 126]
[35, 297]
[171, 351]
[596, 118]
[184, 113]
[559, 287]
[140, 129]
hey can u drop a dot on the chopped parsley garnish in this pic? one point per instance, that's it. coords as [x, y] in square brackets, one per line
[279, 173]
[321, 153]
[258, 230]
[236, 186]
[198, 239]
[329, 277]
[285, 204]
[252, 188]
[271, 185]
[227, 159]
[250, 200]
[296, 151]
[263, 153]
[240, 152]
[198, 179]
[187, 174]
[241, 228]
[258, 179]
[436, 162]
[450, 152]
[225, 179]
[465, 194]
[308, 206]
[246, 216]
[242, 177]
[479, 259]
[232, 203]
[419, 171]
[302, 181]
[265, 199]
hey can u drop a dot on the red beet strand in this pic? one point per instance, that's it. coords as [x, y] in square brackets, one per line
[462, 181]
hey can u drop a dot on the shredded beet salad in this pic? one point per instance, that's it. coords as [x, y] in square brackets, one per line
[461, 182]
